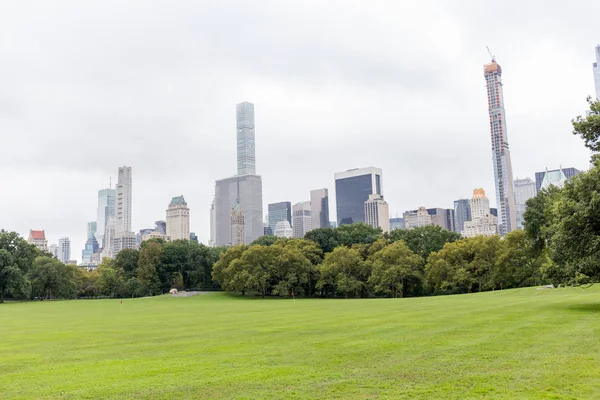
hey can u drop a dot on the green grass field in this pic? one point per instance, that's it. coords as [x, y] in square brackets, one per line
[522, 343]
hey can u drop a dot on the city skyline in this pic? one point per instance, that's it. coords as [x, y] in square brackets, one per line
[341, 110]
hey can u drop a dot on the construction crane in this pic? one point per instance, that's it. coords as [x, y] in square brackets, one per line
[490, 53]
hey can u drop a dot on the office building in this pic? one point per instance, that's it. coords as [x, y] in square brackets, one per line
[238, 225]
[212, 241]
[178, 219]
[53, 249]
[281, 211]
[38, 239]
[155, 235]
[109, 236]
[161, 227]
[494, 212]
[596, 69]
[91, 248]
[556, 177]
[503, 176]
[92, 228]
[450, 220]
[319, 202]
[417, 218]
[283, 229]
[122, 241]
[106, 208]
[246, 157]
[302, 219]
[462, 214]
[139, 237]
[64, 249]
[397, 223]
[352, 189]
[246, 191]
[123, 202]
[377, 212]
[193, 237]
[524, 190]
[482, 222]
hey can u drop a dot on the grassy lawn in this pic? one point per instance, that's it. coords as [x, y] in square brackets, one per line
[522, 343]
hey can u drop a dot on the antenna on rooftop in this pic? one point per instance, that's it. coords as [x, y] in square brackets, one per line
[490, 53]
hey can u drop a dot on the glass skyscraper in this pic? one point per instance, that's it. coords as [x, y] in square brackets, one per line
[352, 190]
[524, 190]
[106, 208]
[462, 214]
[246, 157]
[568, 174]
[281, 211]
[503, 176]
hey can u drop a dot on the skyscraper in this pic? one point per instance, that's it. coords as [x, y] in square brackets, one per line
[283, 229]
[524, 190]
[596, 68]
[178, 219]
[482, 223]
[556, 177]
[123, 202]
[92, 227]
[397, 223]
[238, 225]
[462, 214]
[38, 239]
[246, 157]
[64, 249]
[106, 208]
[91, 247]
[302, 219]
[352, 189]
[377, 212]
[319, 202]
[160, 227]
[503, 176]
[278, 212]
[212, 241]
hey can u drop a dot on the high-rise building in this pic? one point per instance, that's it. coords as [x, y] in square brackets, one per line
[247, 191]
[122, 241]
[377, 212]
[109, 236]
[106, 208]
[555, 177]
[161, 227]
[92, 228]
[302, 219]
[193, 237]
[53, 249]
[417, 218]
[503, 176]
[212, 241]
[524, 190]
[64, 249]
[238, 225]
[283, 229]
[319, 201]
[178, 219]
[38, 239]
[462, 214]
[139, 237]
[278, 212]
[123, 202]
[246, 157]
[91, 247]
[482, 223]
[352, 189]
[596, 68]
[397, 223]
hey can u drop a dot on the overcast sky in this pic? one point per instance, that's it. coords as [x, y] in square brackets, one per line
[87, 86]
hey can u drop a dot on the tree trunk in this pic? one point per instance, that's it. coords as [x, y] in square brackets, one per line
[2, 295]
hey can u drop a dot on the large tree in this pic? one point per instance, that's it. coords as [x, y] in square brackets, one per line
[396, 270]
[15, 260]
[326, 238]
[127, 261]
[343, 272]
[51, 278]
[588, 127]
[148, 265]
[424, 240]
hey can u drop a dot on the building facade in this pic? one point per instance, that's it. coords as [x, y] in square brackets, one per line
[106, 208]
[482, 223]
[246, 155]
[503, 176]
[377, 212]
[109, 236]
[462, 214]
[91, 248]
[123, 201]
[417, 218]
[319, 202]
[524, 190]
[238, 225]
[38, 239]
[53, 249]
[278, 212]
[178, 219]
[556, 177]
[283, 229]
[155, 235]
[64, 249]
[122, 241]
[160, 226]
[397, 223]
[302, 219]
[352, 189]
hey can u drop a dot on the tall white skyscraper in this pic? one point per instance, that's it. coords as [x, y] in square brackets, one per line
[302, 219]
[123, 202]
[319, 202]
[246, 157]
[377, 212]
[503, 176]
[106, 208]
[178, 219]
[596, 66]
[524, 190]
[64, 249]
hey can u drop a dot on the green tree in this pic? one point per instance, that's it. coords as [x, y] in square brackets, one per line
[538, 218]
[16, 258]
[224, 273]
[51, 278]
[326, 238]
[148, 265]
[127, 261]
[291, 271]
[343, 272]
[394, 269]
[588, 127]
[517, 263]
[258, 262]
[358, 233]
[110, 281]
[266, 240]
[424, 240]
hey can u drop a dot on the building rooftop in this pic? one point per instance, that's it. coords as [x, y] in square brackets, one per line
[178, 200]
[39, 235]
